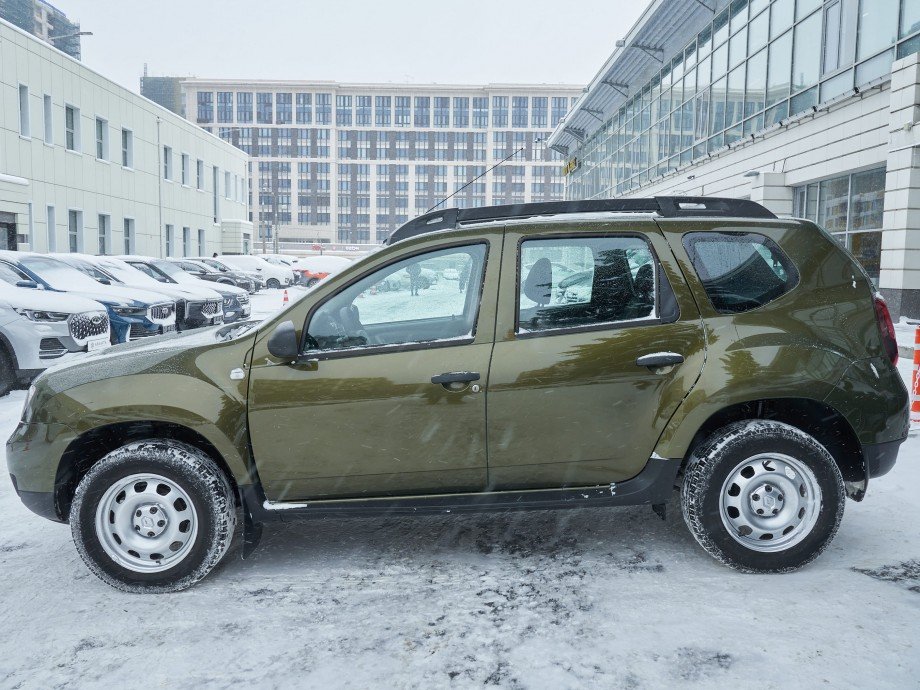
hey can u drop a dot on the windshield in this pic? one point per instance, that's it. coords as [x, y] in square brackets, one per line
[59, 275]
[214, 263]
[126, 273]
[174, 272]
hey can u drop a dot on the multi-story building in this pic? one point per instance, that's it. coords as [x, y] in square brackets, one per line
[45, 21]
[808, 106]
[352, 162]
[88, 166]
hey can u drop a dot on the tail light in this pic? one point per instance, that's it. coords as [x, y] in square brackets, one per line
[886, 326]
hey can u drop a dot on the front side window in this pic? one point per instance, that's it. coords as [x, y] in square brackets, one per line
[578, 282]
[428, 298]
[740, 271]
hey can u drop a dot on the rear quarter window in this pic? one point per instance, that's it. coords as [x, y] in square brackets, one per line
[740, 271]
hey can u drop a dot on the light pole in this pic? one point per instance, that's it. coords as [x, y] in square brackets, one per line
[74, 35]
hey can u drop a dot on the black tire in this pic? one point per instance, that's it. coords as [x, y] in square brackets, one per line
[7, 372]
[736, 446]
[273, 283]
[194, 473]
[312, 282]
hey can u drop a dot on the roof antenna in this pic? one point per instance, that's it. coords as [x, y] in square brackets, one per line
[536, 141]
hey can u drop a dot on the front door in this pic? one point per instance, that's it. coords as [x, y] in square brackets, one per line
[8, 238]
[570, 402]
[390, 396]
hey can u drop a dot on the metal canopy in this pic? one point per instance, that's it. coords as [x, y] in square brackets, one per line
[665, 24]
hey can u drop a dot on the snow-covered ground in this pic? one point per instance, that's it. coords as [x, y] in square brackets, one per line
[585, 598]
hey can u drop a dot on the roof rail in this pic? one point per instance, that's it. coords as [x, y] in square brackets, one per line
[665, 206]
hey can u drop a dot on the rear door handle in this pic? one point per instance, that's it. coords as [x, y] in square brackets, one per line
[455, 377]
[659, 359]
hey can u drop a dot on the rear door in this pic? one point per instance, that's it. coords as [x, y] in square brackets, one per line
[585, 313]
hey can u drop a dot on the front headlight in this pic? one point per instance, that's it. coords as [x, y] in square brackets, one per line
[228, 301]
[43, 316]
[130, 311]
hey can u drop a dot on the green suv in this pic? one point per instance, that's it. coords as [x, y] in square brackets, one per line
[701, 344]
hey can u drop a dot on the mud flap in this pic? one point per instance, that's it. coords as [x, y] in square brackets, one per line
[252, 529]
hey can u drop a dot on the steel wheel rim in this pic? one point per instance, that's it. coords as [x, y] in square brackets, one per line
[146, 523]
[770, 502]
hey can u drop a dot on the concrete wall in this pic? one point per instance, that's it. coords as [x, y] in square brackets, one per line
[78, 180]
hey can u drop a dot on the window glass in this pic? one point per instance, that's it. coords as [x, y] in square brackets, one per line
[779, 69]
[910, 17]
[740, 271]
[803, 7]
[781, 15]
[878, 26]
[806, 60]
[867, 200]
[832, 28]
[423, 299]
[11, 275]
[572, 282]
[833, 205]
[758, 32]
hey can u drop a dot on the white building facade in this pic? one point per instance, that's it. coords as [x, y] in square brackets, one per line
[336, 162]
[811, 107]
[88, 166]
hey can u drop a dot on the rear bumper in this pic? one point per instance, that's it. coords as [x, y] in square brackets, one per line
[880, 457]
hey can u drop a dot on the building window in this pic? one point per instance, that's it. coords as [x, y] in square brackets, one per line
[186, 241]
[105, 234]
[129, 235]
[283, 109]
[205, 106]
[244, 106]
[441, 111]
[127, 148]
[48, 119]
[75, 230]
[539, 106]
[343, 110]
[422, 111]
[481, 113]
[382, 107]
[201, 242]
[71, 128]
[225, 106]
[167, 163]
[24, 128]
[228, 189]
[403, 116]
[499, 111]
[461, 112]
[324, 108]
[185, 173]
[560, 108]
[215, 181]
[851, 208]
[304, 112]
[102, 139]
[264, 108]
[519, 115]
[51, 228]
[170, 240]
[363, 116]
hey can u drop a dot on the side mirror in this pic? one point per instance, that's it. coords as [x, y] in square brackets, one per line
[105, 281]
[283, 342]
[27, 284]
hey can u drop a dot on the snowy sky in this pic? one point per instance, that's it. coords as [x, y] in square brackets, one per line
[400, 41]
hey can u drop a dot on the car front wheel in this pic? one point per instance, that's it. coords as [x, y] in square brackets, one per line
[763, 496]
[153, 516]
[273, 283]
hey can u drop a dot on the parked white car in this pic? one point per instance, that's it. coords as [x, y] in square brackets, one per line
[39, 328]
[273, 276]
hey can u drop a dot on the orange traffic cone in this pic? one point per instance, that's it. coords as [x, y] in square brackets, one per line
[915, 386]
[285, 300]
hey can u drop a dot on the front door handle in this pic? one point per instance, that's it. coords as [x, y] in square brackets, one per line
[455, 377]
[659, 359]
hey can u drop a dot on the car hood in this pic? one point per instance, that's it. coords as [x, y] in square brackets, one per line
[46, 300]
[119, 296]
[160, 354]
[186, 292]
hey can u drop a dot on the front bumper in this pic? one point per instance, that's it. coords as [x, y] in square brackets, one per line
[33, 453]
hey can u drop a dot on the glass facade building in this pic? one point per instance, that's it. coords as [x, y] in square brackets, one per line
[351, 163]
[753, 66]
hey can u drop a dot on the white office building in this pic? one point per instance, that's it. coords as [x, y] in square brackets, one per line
[88, 166]
[337, 162]
[810, 107]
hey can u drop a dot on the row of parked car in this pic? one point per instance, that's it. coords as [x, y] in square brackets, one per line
[54, 307]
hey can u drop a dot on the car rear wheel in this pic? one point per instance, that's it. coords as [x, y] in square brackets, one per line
[763, 496]
[312, 282]
[273, 283]
[7, 373]
[153, 516]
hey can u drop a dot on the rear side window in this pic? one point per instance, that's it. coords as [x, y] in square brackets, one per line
[740, 271]
[577, 282]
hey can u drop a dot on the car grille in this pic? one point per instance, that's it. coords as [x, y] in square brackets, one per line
[85, 326]
[243, 299]
[138, 331]
[50, 348]
[210, 308]
[161, 312]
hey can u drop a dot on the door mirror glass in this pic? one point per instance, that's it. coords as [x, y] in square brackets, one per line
[26, 284]
[283, 342]
[426, 298]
